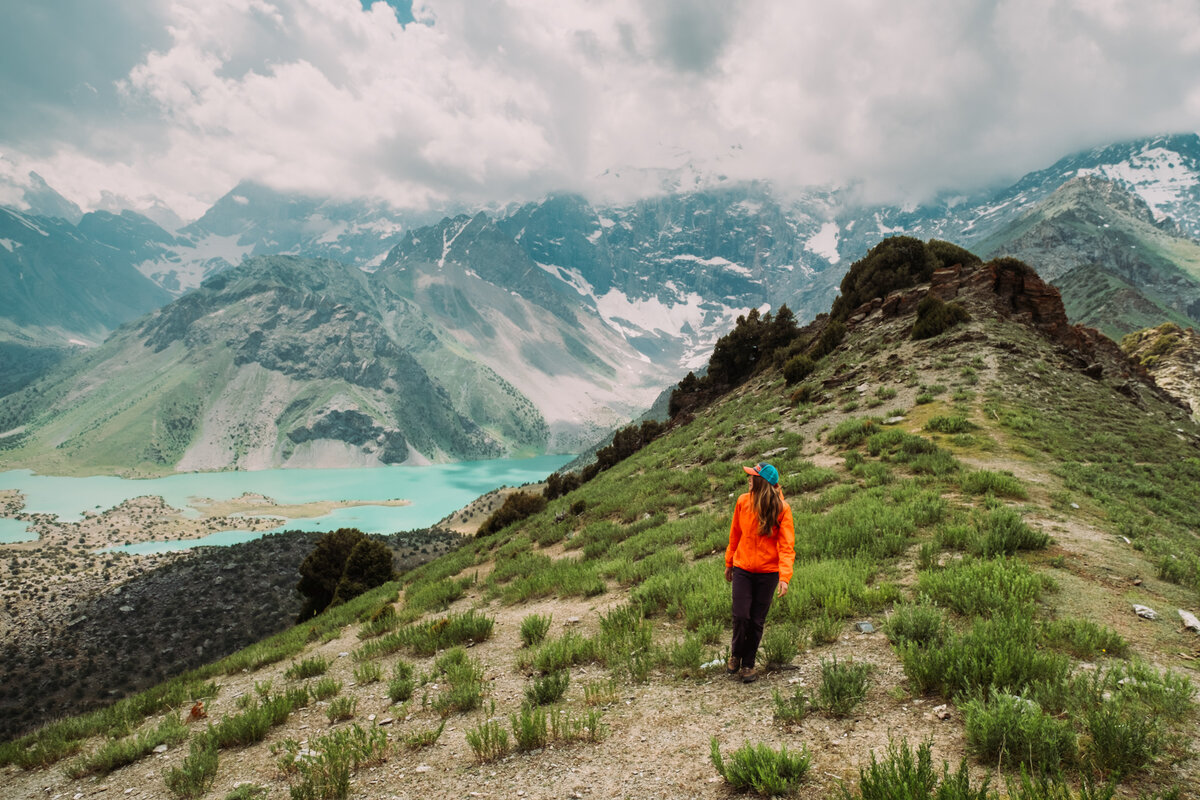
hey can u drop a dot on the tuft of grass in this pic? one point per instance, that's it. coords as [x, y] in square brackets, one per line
[1122, 739]
[1003, 532]
[761, 769]
[1000, 484]
[196, 775]
[368, 672]
[534, 629]
[117, 753]
[325, 688]
[401, 685]
[1084, 639]
[422, 739]
[548, 689]
[921, 624]
[953, 423]
[780, 645]
[598, 693]
[488, 741]
[983, 586]
[529, 728]
[1007, 728]
[342, 708]
[904, 775]
[248, 791]
[843, 686]
[792, 709]
[308, 668]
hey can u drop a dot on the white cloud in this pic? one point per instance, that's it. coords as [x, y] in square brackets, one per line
[491, 101]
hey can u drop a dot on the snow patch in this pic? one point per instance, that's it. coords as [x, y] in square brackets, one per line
[825, 242]
[241, 201]
[1156, 174]
[9, 244]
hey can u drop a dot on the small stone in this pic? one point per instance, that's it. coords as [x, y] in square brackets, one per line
[573, 620]
[1137, 581]
[423, 768]
[942, 712]
[1075, 506]
[1189, 620]
[1145, 611]
[864, 627]
[162, 748]
[343, 654]
[893, 420]
[1125, 539]
[386, 721]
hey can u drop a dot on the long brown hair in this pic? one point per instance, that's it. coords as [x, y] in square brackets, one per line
[768, 504]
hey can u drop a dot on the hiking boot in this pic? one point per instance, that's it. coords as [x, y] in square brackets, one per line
[748, 675]
[733, 665]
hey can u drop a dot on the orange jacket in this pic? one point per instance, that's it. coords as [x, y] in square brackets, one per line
[754, 553]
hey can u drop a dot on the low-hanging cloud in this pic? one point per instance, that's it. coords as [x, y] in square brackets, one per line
[478, 102]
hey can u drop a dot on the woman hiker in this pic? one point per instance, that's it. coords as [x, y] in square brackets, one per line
[762, 548]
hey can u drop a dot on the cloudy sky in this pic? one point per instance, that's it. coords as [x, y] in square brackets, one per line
[480, 101]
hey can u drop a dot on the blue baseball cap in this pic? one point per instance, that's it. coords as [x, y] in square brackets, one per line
[764, 471]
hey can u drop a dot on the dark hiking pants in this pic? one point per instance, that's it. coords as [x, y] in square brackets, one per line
[752, 593]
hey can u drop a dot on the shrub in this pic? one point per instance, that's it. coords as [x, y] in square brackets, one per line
[342, 708]
[529, 728]
[901, 777]
[488, 741]
[1001, 484]
[954, 423]
[1122, 740]
[792, 709]
[367, 672]
[923, 625]
[534, 629]
[761, 769]
[1000, 652]
[328, 575]
[898, 262]
[115, 754]
[196, 775]
[1002, 532]
[1084, 639]
[325, 688]
[982, 586]
[843, 686]
[1010, 728]
[401, 686]
[308, 668]
[935, 317]
[517, 506]
[798, 368]
[548, 689]
[779, 646]
[426, 738]
[851, 432]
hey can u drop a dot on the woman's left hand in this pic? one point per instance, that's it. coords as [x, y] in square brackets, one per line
[782, 589]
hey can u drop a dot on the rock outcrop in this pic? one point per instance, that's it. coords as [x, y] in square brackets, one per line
[1172, 355]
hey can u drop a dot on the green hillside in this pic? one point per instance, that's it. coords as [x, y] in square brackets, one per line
[992, 499]
[1101, 299]
[1114, 263]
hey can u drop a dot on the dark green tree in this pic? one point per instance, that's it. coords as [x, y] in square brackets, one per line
[369, 565]
[323, 570]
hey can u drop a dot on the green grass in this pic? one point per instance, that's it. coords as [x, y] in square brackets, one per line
[905, 775]
[534, 629]
[843, 686]
[547, 689]
[983, 586]
[117, 753]
[1006, 728]
[197, 773]
[761, 769]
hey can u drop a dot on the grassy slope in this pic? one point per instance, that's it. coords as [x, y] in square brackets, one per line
[876, 528]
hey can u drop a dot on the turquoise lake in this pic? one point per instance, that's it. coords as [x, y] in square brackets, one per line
[434, 491]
